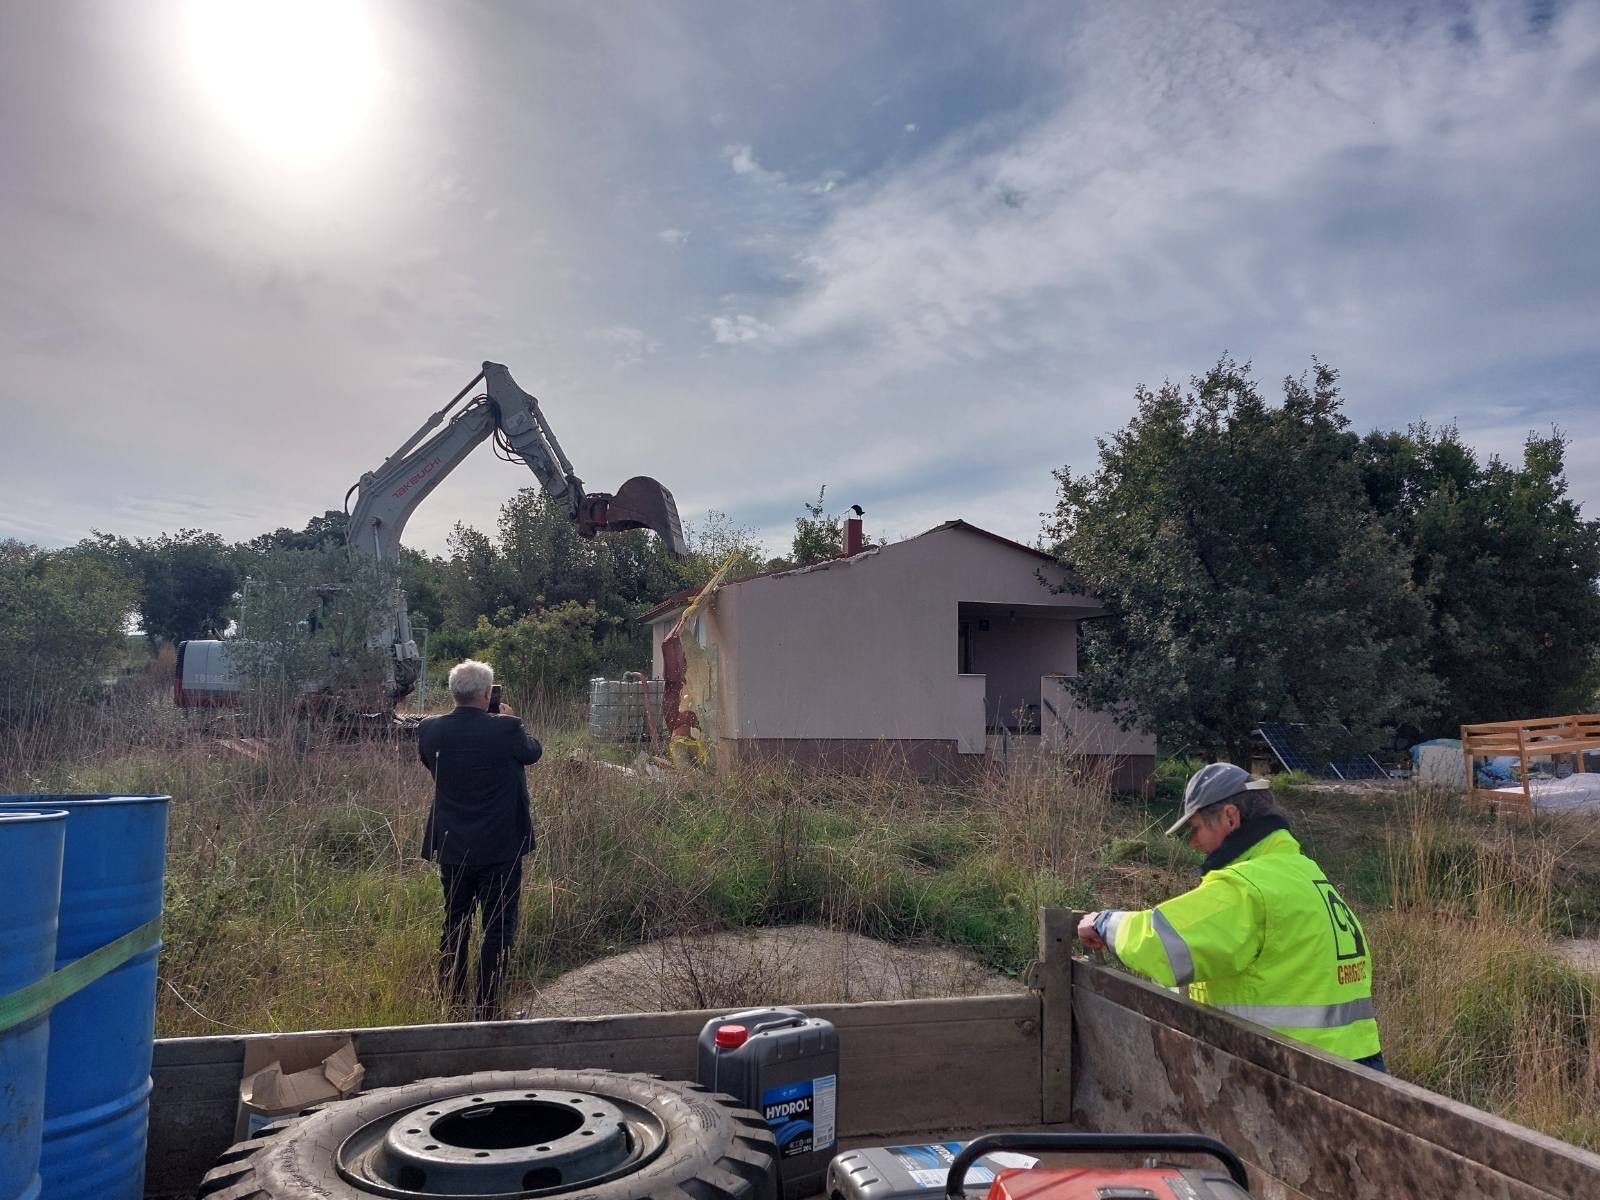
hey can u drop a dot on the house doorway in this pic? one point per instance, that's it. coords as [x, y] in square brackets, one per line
[1012, 646]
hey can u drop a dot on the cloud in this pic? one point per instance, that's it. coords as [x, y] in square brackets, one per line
[738, 329]
[742, 160]
[940, 275]
[1338, 186]
[629, 345]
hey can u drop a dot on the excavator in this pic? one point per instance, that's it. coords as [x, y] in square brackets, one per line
[386, 497]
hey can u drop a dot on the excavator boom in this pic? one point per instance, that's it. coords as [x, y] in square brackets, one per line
[387, 496]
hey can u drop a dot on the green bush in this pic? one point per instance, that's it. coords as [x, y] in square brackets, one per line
[554, 649]
[63, 624]
[1290, 781]
[1171, 776]
[314, 616]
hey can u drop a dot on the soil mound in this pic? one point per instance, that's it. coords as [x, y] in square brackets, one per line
[797, 964]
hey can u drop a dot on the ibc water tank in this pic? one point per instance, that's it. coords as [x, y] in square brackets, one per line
[30, 863]
[97, 1086]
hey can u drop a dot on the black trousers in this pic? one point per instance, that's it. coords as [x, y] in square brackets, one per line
[494, 890]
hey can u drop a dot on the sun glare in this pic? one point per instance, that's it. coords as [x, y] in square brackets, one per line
[296, 79]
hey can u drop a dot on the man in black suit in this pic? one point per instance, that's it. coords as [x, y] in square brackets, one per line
[479, 828]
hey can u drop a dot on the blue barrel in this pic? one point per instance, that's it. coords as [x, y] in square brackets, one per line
[30, 863]
[97, 1090]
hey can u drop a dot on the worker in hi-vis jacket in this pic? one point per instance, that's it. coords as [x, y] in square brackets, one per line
[1265, 936]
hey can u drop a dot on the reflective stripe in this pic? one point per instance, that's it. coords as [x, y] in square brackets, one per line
[1113, 920]
[1178, 956]
[1305, 1016]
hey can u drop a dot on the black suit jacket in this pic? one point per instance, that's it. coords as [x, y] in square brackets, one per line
[480, 793]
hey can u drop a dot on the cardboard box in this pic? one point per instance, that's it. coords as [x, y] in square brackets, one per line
[285, 1074]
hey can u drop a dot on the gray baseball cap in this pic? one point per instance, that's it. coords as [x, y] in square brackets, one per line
[1212, 784]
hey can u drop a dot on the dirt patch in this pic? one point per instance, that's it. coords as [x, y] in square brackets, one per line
[1356, 787]
[1581, 953]
[797, 964]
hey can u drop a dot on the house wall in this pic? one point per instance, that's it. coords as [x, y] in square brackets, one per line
[1013, 654]
[717, 620]
[865, 647]
[1086, 730]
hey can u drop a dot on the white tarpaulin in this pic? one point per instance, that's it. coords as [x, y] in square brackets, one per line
[1576, 793]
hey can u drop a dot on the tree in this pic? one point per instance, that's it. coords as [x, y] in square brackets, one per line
[557, 648]
[1244, 572]
[187, 582]
[818, 534]
[423, 578]
[476, 580]
[1509, 567]
[63, 626]
[331, 528]
[714, 542]
[317, 620]
[536, 562]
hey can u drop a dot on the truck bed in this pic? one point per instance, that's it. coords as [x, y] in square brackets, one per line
[1088, 1048]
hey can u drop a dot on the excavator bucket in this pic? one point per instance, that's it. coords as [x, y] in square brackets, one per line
[641, 503]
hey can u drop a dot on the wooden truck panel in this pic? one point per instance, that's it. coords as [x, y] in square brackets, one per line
[1087, 1048]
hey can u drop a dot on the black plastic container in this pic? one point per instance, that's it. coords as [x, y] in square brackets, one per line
[785, 1065]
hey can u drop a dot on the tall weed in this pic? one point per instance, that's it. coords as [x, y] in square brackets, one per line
[296, 900]
[1473, 1000]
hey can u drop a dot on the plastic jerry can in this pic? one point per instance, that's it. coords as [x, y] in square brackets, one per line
[784, 1065]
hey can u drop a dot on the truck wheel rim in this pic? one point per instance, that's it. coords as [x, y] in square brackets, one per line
[500, 1145]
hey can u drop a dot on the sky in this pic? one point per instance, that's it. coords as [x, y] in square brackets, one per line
[922, 253]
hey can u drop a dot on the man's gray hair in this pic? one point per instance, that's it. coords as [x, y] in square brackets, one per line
[469, 680]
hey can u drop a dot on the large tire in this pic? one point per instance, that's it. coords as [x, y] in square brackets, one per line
[714, 1149]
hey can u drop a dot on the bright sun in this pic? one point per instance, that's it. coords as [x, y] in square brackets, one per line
[295, 78]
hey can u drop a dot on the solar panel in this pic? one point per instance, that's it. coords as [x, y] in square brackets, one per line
[1321, 751]
[1281, 741]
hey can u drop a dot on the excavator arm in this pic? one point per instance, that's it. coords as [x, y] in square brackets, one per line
[386, 497]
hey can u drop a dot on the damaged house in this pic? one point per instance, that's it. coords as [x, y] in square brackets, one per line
[942, 650]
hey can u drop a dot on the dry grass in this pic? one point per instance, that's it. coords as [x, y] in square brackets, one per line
[295, 900]
[1476, 1003]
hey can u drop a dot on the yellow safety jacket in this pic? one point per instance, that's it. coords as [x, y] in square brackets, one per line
[1267, 938]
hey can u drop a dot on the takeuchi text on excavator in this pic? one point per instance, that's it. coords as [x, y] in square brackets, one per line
[386, 497]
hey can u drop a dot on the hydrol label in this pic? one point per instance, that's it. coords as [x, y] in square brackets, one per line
[801, 1115]
[929, 1165]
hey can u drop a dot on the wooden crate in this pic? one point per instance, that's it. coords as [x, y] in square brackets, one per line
[1534, 738]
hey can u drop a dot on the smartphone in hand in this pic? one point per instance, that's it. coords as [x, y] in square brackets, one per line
[494, 697]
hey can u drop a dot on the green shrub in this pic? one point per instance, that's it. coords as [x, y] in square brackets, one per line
[1291, 781]
[63, 619]
[557, 648]
[1172, 774]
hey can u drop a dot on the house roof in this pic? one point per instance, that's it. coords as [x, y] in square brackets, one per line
[993, 537]
[678, 599]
